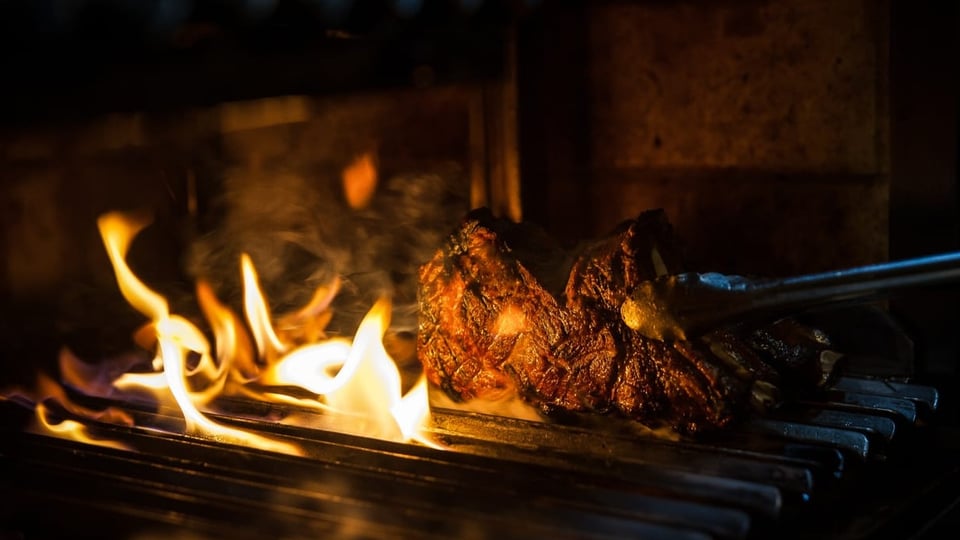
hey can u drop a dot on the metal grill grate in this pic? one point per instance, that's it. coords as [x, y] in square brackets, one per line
[499, 478]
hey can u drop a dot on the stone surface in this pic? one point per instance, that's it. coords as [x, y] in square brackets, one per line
[767, 224]
[761, 127]
[788, 86]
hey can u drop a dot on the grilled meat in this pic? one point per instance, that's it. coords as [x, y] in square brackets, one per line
[496, 319]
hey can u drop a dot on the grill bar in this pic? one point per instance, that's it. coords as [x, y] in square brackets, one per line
[927, 395]
[643, 454]
[901, 409]
[874, 427]
[299, 514]
[428, 494]
[499, 477]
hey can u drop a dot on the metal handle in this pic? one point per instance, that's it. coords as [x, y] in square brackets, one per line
[855, 283]
[680, 306]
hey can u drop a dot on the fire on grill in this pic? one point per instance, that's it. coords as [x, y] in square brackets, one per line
[273, 387]
[492, 324]
[489, 328]
[356, 380]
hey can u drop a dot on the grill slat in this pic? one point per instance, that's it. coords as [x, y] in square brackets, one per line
[903, 410]
[849, 441]
[213, 481]
[875, 427]
[764, 500]
[499, 477]
[927, 395]
[781, 471]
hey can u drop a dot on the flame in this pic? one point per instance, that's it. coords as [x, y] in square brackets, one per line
[232, 341]
[373, 385]
[366, 382]
[258, 314]
[151, 381]
[175, 338]
[355, 383]
[117, 231]
[70, 429]
[45, 391]
[309, 323]
[309, 367]
[360, 181]
[413, 411]
[94, 380]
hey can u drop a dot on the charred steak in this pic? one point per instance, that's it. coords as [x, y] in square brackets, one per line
[496, 317]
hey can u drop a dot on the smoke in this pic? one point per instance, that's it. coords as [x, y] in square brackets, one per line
[301, 233]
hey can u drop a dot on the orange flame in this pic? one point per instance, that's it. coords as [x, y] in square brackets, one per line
[70, 429]
[360, 181]
[412, 413]
[232, 341]
[258, 313]
[46, 390]
[176, 337]
[366, 383]
[356, 383]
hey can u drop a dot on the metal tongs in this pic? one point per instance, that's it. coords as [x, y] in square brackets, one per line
[681, 306]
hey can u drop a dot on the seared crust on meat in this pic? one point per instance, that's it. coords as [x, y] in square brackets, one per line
[488, 327]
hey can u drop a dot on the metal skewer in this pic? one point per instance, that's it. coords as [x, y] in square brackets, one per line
[681, 306]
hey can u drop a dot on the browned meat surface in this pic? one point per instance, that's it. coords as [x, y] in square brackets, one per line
[493, 321]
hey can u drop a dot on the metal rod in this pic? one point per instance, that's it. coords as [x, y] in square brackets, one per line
[684, 305]
[865, 281]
